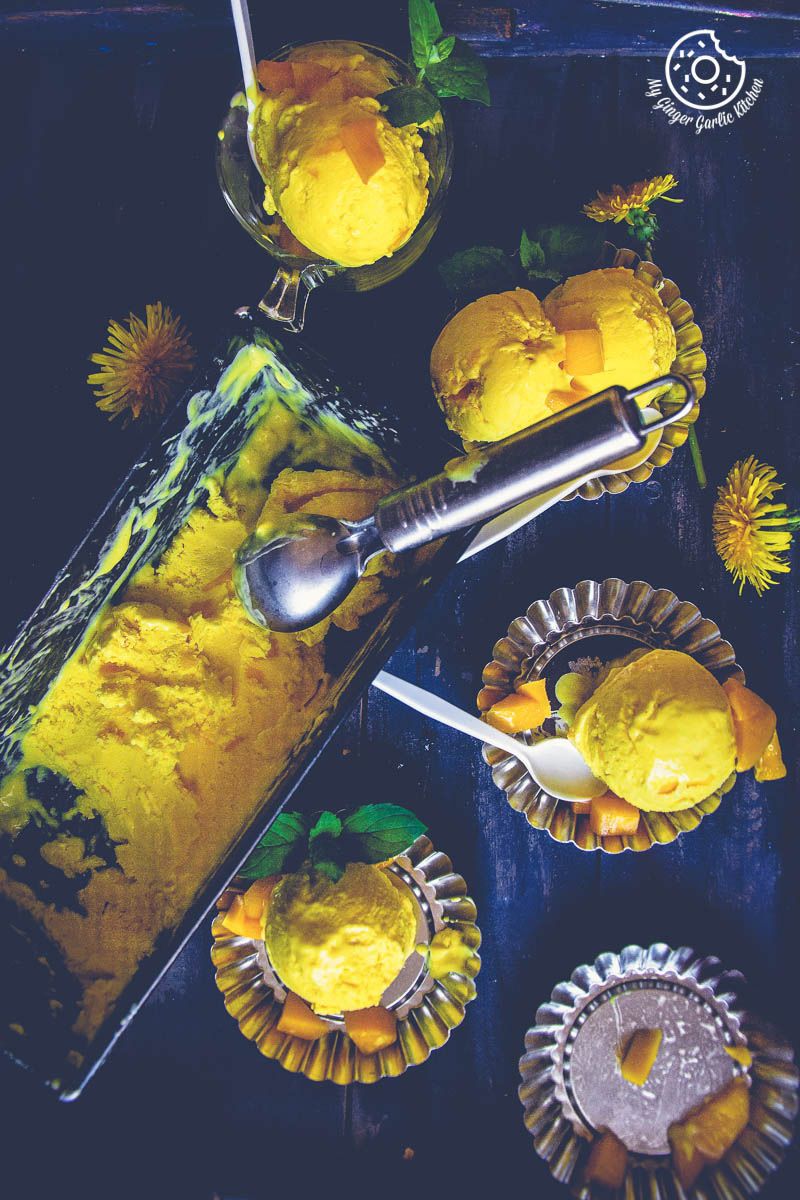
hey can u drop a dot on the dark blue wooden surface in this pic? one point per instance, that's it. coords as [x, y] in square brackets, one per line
[110, 201]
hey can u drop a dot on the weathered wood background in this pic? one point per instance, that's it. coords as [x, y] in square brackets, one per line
[110, 201]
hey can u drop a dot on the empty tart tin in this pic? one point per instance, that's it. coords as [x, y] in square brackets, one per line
[572, 1088]
[593, 623]
[427, 1009]
[690, 360]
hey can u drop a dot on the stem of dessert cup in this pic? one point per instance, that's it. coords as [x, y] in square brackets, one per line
[287, 297]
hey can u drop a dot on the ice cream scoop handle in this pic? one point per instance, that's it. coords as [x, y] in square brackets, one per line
[589, 435]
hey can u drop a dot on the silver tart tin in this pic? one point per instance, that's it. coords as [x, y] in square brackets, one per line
[690, 360]
[571, 1088]
[427, 1009]
[604, 620]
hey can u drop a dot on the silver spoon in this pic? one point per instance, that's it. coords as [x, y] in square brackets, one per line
[555, 764]
[291, 574]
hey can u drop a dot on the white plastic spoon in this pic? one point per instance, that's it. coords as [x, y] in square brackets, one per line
[247, 57]
[508, 522]
[555, 765]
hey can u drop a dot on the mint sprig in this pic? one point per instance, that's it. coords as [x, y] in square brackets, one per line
[380, 831]
[545, 257]
[448, 66]
[370, 834]
[282, 848]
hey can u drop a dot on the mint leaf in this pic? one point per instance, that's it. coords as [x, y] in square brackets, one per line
[382, 830]
[569, 249]
[425, 29]
[442, 50]
[408, 105]
[330, 868]
[462, 74]
[327, 824]
[531, 254]
[284, 841]
[478, 270]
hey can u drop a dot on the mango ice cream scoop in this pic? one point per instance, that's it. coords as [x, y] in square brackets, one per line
[340, 945]
[615, 329]
[658, 730]
[349, 186]
[496, 367]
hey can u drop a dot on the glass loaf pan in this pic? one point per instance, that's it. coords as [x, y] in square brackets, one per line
[138, 524]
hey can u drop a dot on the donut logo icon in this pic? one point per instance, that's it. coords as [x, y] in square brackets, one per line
[700, 74]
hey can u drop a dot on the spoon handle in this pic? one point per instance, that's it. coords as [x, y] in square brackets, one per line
[247, 54]
[444, 712]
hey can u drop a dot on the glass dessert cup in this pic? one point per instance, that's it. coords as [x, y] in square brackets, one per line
[572, 1091]
[297, 275]
[600, 621]
[426, 1008]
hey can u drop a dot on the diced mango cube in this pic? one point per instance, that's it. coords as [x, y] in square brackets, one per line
[371, 1029]
[771, 765]
[583, 352]
[526, 708]
[257, 897]
[740, 1054]
[607, 1163]
[534, 689]
[237, 921]
[299, 1020]
[611, 816]
[275, 77]
[709, 1131]
[640, 1055]
[360, 140]
[308, 77]
[582, 808]
[753, 723]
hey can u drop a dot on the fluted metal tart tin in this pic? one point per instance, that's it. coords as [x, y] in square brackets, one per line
[427, 1009]
[690, 360]
[599, 620]
[571, 1088]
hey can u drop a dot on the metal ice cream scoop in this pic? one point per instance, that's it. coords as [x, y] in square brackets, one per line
[292, 573]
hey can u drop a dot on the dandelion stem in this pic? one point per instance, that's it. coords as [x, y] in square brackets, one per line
[697, 457]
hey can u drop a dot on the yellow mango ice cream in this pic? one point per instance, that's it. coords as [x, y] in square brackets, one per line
[165, 729]
[348, 185]
[340, 945]
[496, 367]
[658, 730]
[616, 330]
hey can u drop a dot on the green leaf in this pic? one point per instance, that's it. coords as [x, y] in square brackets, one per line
[462, 74]
[327, 824]
[442, 50]
[329, 867]
[531, 254]
[425, 29]
[478, 270]
[408, 106]
[284, 840]
[569, 249]
[382, 830]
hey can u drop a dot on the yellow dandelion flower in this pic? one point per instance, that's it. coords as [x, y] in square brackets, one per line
[143, 364]
[620, 202]
[750, 533]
